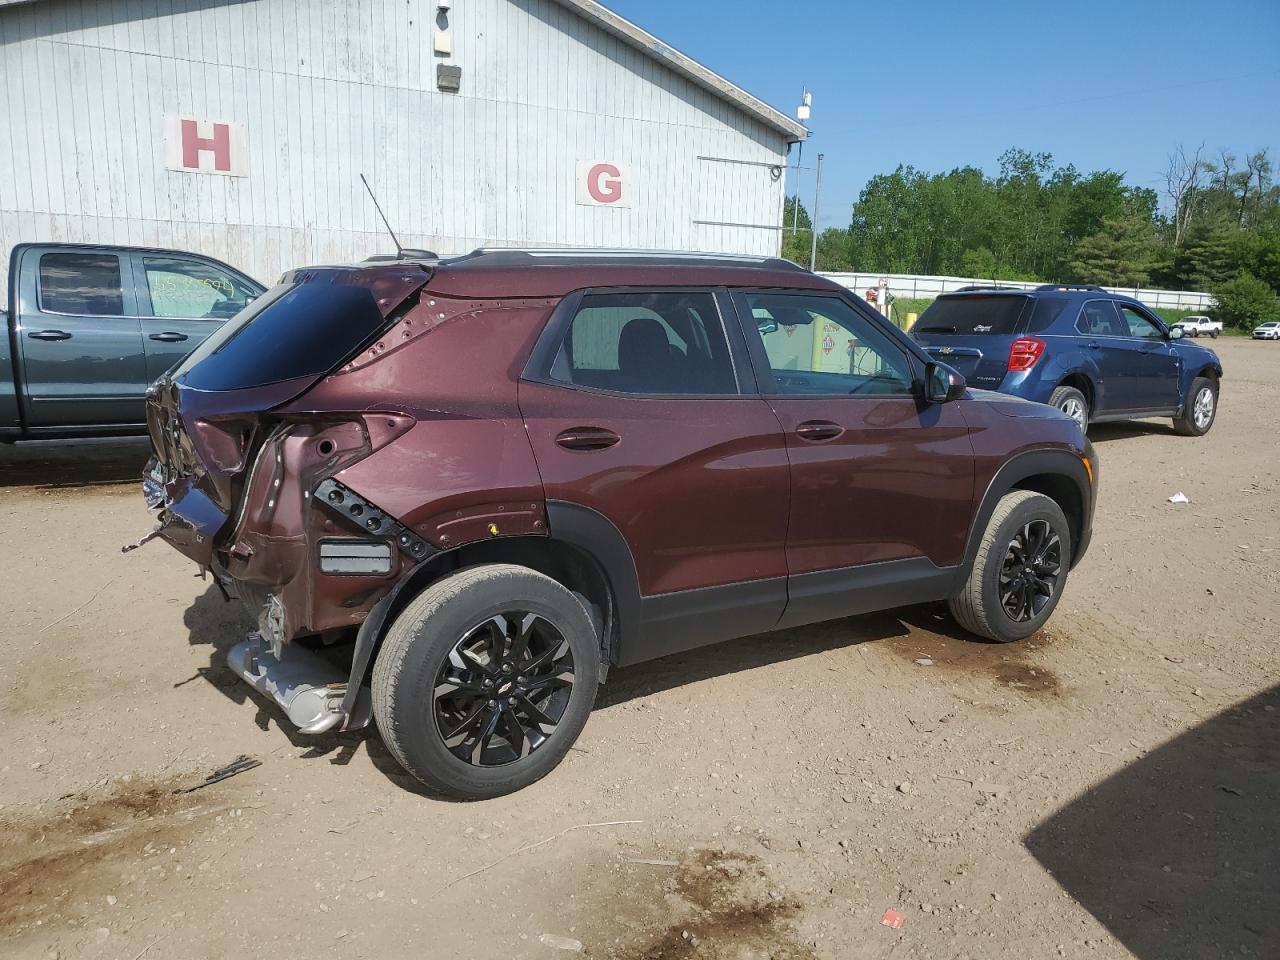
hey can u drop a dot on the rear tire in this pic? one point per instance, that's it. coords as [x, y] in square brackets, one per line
[459, 695]
[1200, 410]
[1073, 403]
[1213, 334]
[1020, 570]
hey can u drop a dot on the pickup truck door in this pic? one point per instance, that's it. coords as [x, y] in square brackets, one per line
[182, 300]
[79, 339]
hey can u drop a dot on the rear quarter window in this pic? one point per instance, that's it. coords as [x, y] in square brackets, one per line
[291, 331]
[973, 315]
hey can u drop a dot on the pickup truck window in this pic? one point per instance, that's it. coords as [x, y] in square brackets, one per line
[82, 284]
[188, 289]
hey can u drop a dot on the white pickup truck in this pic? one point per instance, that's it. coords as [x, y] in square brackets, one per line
[1196, 326]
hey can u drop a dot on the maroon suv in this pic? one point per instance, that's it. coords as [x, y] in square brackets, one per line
[495, 477]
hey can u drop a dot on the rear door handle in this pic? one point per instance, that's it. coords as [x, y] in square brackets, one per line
[817, 431]
[49, 335]
[1094, 345]
[169, 337]
[587, 438]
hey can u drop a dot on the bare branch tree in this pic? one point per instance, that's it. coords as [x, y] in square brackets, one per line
[1256, 173]
[1184, 180]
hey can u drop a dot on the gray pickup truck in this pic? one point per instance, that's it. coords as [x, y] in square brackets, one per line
[90, 327]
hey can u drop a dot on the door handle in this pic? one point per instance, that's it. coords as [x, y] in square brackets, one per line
[587, 438]
[49, 335]
[169, 337]
[817, 431]
[1094, 345]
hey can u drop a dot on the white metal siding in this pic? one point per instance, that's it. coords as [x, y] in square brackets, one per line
[327, 89]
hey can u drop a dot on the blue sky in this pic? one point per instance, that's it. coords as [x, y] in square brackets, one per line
[1104, 85]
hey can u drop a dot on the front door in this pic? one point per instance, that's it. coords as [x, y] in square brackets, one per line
[1151, 360]
[639, 417]
[80, 340]
[881, 483]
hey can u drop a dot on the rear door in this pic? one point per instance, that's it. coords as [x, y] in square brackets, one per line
[182, 300]
[1104, 337]
[881, 484]
[80, 339]
[644, 413]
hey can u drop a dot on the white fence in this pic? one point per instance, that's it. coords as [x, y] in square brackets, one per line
[926, 288]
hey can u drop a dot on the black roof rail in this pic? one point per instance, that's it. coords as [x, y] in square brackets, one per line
[512, 256]
[976, 287]
[1091, 287]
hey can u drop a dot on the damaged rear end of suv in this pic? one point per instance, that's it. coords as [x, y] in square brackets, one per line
[240, 457]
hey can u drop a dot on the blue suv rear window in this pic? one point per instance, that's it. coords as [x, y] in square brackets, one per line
[973, 315]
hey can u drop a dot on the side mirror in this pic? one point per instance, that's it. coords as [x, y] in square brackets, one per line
[943, 384]
[1176, 333]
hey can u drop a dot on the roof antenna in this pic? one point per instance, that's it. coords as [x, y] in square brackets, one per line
[378, 206]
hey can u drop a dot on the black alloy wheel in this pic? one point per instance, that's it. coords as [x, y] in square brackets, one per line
[1030, 571]
[503, 689]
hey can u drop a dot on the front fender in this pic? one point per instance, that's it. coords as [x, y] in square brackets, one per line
[1050, 462]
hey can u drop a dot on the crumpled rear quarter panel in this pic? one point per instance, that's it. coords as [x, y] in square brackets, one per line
[466, 463]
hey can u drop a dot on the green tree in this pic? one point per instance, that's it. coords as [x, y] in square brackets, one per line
[796, 243]
[1119, 254]
[1206, 258]
[1244, 302]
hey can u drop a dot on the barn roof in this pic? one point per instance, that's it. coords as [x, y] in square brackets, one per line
[673, 59]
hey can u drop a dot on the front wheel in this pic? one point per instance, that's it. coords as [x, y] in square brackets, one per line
[1200, 410]
[485, 680]
[1020, 570]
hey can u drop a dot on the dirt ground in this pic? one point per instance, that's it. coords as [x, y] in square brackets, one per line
[1110, 788]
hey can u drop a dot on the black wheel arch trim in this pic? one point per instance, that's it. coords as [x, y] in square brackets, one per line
[1036, 463]
[587, 530]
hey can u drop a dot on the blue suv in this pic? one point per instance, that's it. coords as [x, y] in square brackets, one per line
[1092, 354]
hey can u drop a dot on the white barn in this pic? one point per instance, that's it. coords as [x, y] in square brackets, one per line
[240, 128]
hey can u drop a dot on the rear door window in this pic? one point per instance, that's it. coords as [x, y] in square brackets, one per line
[81, 284]
[973, 314]
[1098, 318]
[647, 342]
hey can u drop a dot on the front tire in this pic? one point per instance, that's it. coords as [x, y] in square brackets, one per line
[485, 680]
[1019, 572]
[1073, 403]
[1200, 410]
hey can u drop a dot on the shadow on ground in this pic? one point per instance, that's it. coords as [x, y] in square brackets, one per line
[1178, 854]
[909, 633]
[1128, 429]
[51, 466]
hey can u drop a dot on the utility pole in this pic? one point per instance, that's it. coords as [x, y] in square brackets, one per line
[802, 114]
[817, 196]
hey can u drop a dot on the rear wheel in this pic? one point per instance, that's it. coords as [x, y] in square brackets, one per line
[1073, 403]
[1200, 410]
[485, 680]
[1019, 572]
[1213, 334]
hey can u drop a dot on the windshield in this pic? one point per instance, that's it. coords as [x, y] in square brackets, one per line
[291, 331]
[973, 314]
